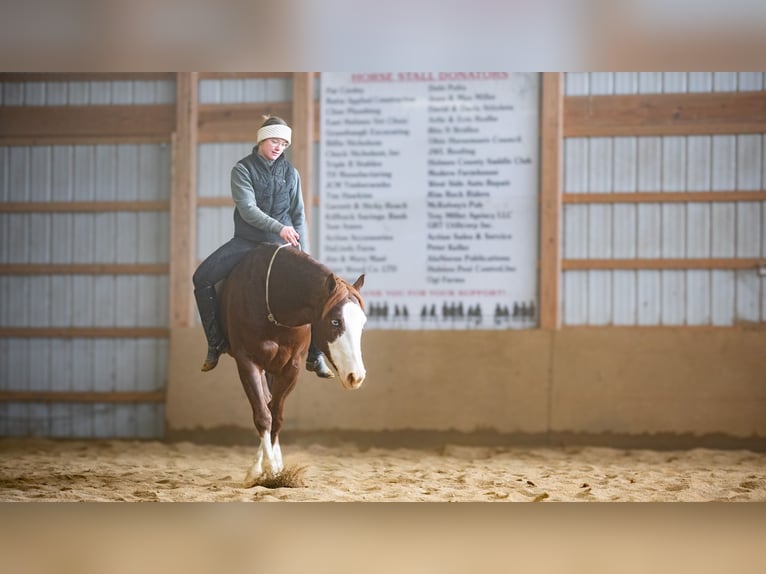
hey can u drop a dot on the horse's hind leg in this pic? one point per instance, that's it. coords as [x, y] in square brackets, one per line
[254, 382]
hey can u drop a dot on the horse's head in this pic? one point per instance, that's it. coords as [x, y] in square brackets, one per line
[339, 332]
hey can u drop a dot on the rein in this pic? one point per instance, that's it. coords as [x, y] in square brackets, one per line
[270, 315]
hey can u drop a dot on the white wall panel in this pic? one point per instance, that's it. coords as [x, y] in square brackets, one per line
[748, 295]
[604, 83]
[722, 297]
[650, 82]
[673, 297]
[626, 82]
[749, 162]
[625, 297]
[90, 92]
[84, 173]
[750, 81]
[674, 82]
[599, 297]
[649, 297]
[245, 90]
[575, 298]
[665, 231]
[700, 81]
[601, 83]
[577, 84]
[698, 293]
[725, 81]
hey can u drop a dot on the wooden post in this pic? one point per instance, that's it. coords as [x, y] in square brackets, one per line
[552, 140]
[303, 135]
[183, 202]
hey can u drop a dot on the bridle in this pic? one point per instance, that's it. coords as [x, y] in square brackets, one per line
[270, 315]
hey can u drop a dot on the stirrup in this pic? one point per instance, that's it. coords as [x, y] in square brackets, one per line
[319, 366]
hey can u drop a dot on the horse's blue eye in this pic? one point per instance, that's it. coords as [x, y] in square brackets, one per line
[335, 323]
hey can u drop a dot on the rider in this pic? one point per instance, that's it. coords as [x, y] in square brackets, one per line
[268, 208]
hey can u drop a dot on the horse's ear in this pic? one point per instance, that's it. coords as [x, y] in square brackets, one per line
[332, 282]
[359, 282]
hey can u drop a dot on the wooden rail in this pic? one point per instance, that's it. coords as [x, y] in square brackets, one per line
[84, 332]
[665, 197]
[81, 206]
[83, 268]
[39, 125]
[665, 114]
[680, 264]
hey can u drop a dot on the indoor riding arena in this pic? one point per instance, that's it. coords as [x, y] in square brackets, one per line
[565, 286]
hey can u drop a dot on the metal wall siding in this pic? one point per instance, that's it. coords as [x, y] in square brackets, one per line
[723, 297]
[698, 297]
[125, 172]
[575, 298]
[625, 298]
[704, 230]
[605, 83]
[626, 82]
[599, 297]
[245, 90]
[87, 93]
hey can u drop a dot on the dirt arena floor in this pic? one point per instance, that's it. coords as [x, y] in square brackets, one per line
[48, 470]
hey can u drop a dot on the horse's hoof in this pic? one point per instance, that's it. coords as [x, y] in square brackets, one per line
[320, 368]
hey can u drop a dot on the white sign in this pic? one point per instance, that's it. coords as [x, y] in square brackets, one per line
[429, 185]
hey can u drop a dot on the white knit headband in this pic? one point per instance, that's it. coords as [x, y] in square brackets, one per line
[274, 131]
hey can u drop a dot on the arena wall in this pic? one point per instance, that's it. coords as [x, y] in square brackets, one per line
[613, 386]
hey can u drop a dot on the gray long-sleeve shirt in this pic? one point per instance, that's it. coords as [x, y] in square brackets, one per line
[244, 199]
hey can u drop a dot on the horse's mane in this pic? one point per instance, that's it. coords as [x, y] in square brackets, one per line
[341, 291]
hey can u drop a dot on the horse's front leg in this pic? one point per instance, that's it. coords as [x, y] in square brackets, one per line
[281, 386]
[254, 382]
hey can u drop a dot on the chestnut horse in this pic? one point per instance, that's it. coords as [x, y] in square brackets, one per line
[272, 304]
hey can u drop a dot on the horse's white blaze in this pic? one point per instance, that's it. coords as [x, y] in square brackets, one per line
[346, 350]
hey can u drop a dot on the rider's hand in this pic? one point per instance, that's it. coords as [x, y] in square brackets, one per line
[290, 235]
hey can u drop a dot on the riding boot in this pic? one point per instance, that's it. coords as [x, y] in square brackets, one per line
[315, 362]
[207, 305]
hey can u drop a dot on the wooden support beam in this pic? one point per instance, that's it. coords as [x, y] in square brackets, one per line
[82, 206]
[665, 114]
[666, 197]
[303, 136]
[183, 207]
[25, 125]
[675, 264]
[83, 332]
[215, 202]
[82, 397]
[551, 128]
[83, 268]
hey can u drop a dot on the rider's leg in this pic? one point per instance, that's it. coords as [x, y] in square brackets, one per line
[212, 270]
[315, 362]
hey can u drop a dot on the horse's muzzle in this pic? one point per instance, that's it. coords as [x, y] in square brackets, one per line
[353, 380]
